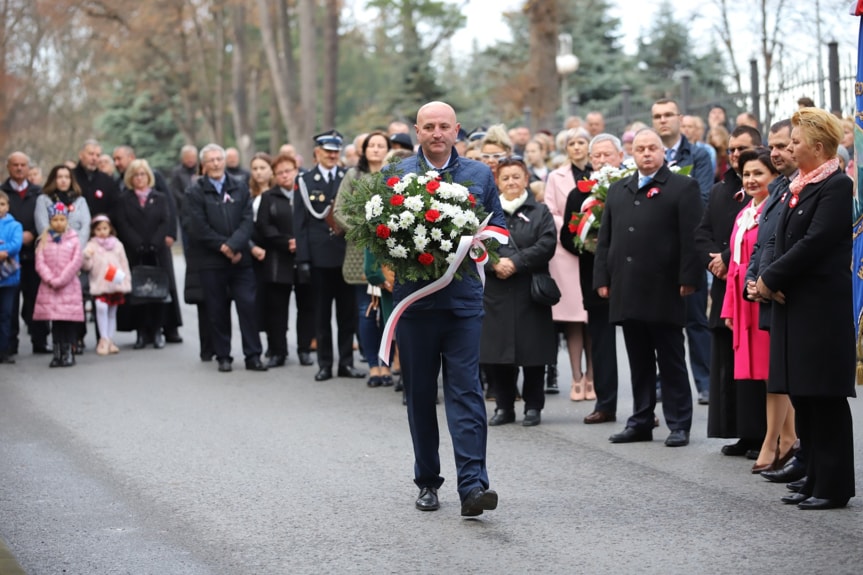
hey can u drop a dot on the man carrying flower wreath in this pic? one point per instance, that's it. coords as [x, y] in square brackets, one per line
[443, 330]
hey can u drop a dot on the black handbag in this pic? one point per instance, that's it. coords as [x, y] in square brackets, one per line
[543, 289]
[150, 284]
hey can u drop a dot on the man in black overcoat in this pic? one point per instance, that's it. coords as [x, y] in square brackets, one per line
[646, 264]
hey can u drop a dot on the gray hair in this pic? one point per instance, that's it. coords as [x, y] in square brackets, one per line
[91, 142]
[211, 148]
[189, 148]
[605, 138]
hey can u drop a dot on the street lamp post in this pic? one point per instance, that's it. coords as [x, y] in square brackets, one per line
[567, 63]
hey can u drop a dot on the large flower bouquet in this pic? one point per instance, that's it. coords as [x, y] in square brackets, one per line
[413, 223]
[584, 225]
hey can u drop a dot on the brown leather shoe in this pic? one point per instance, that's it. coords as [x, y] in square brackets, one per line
[600, 417]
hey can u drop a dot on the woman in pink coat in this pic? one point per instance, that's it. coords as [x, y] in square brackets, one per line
[563, 267]
[59, 299]
[752, 345]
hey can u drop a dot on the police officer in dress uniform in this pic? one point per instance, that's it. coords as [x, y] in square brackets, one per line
[320, 254]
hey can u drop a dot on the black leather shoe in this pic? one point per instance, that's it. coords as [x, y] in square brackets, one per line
[140, 342]
[350, 371]
[428, 501]
[677, 438]
[796, 486]
[42, 349]
[375, 381]
[736, 449]
[255, 364]
[792, 471]
[532, 417]
[225, 365]
[173, 337]
[276, 361]
[794, 498]
[753, 454]
[477, 501]
[502, 417]
[158, 340]
[387, 381]
[305, 358]
[324, 374]
[817, 503]
[399, 386]
[631, 435]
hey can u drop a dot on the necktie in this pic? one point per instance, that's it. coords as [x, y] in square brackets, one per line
[326, 177]
[643, 181]
[669, 154]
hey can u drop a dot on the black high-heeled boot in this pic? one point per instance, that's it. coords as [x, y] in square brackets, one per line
[57, 360]
[68, 359]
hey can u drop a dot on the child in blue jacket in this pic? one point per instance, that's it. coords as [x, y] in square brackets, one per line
[11, 237]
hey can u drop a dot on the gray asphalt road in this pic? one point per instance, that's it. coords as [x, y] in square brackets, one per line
[151, 462]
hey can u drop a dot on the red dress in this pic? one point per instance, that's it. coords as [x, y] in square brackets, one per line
[751, 345]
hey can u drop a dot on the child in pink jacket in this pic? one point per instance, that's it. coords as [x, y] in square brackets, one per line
[59, 299]
[105, 259]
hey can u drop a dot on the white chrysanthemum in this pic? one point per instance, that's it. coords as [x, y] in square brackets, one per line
[394, 223]
[436, 234]
[432, 174]
[454, 234]
[409, 177]
[420, 230]
[374, 207]
[420, 243]
[459, 220]
[400, 187]
[472, 220]
[399, 252]
[406, 219]
[423, 180]
[450, 258]
[391, 242]
[445, 245]
[413, 203]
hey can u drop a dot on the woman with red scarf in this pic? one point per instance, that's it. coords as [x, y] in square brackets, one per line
[808, 278]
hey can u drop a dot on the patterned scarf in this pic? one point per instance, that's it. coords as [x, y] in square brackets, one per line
[819, 174]
[142, 196]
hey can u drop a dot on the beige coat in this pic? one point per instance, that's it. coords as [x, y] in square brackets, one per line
[97, 261]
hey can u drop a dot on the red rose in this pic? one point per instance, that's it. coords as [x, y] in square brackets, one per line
[572, 228]
[397, 200]
[472, 200]
[426, 259]
[432, 216]
[392, 181]
[382, 231]
[432, 186]
[585, 186]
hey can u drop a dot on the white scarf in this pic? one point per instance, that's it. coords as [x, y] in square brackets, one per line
[510, 206]
[747, 220]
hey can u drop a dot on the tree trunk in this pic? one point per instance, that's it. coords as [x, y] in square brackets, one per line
[240, 84]
[307, 110]
[275, 62]
[331, 62]
[542, 90]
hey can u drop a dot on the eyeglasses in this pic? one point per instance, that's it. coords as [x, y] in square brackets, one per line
[498, 156]
[738, 149]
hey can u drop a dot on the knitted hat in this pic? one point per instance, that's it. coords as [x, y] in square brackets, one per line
[58, 209]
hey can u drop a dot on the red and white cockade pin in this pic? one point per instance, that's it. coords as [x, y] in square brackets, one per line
[793, 201]
[782, 199]
[99, 194]
[652, 192]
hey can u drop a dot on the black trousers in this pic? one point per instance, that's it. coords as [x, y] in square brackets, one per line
[204, 337]
[221, 285]
[65, 332]
[504, 377]
[649, 344]
[825, 428]
[276, 303]
[603, 341]
[38, 330]
[329, 286]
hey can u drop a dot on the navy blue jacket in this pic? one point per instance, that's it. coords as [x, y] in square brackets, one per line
[213, 219]
[689, 154]
[465, 294]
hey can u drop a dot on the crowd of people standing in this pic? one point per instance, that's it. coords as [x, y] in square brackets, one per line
[738, 260]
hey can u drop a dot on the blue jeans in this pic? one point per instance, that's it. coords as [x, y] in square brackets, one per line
[370, 328]
[8, 297]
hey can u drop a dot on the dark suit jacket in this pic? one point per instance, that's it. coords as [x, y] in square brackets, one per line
[713, 234]
[274, 229]
[316, 244]
[812, 335]
[688, 154]
[24, 211]
[213, 219]
[99, 189]
[646, 248]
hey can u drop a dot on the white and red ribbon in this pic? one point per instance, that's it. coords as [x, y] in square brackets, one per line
[472, 245]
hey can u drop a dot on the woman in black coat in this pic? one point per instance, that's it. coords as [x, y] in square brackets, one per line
[517, 331]
[812, 354]
[143, 222]
[274, 232]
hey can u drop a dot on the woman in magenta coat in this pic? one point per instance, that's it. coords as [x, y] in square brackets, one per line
[752, 345]
[563, 267]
